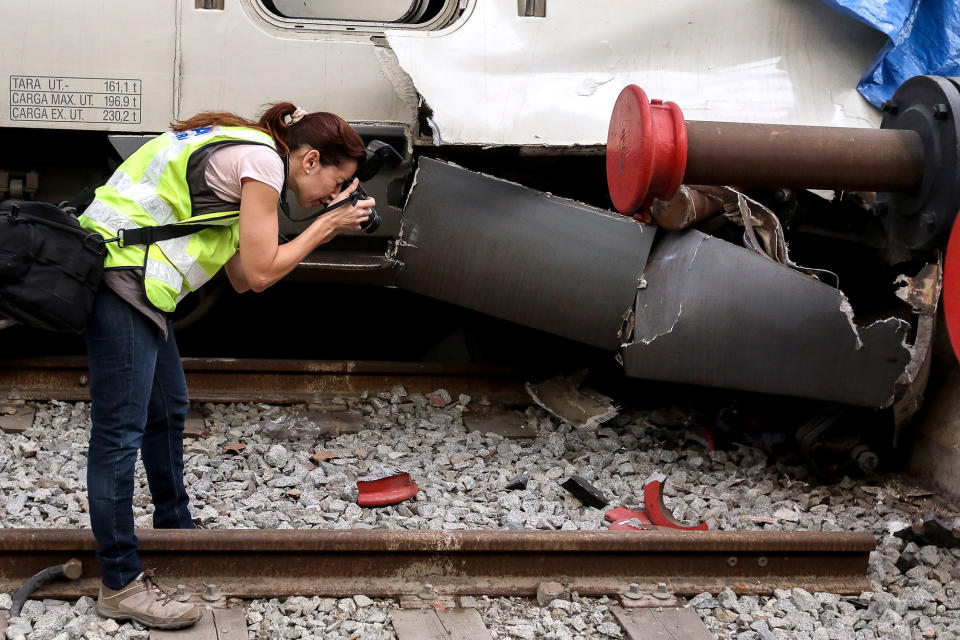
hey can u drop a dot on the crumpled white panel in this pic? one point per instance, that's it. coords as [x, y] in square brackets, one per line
[497, 78]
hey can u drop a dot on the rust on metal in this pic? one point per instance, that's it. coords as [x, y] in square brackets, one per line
[246, 380]
[274, 563]
[691, 204]
[774, 155]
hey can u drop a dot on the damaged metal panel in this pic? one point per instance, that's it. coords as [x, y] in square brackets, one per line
[922, 292]
[520, 254]
[715, 314]
[498, 78]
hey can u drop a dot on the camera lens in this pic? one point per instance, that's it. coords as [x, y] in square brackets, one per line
[372, 223]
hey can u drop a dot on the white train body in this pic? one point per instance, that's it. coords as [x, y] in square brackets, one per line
[489, 73]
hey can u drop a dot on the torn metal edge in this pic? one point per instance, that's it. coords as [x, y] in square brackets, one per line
[394, 247]
[598, 399]
[847, 309]
[402, 84]
[700, 362]
[922, 293]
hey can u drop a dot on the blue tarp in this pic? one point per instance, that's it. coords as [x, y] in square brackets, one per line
[924, 40]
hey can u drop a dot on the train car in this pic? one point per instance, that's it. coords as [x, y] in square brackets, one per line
[501, 112]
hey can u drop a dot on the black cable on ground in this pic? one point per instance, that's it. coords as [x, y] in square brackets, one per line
[72, 569]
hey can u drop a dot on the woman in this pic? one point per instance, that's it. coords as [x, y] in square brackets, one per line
[217, 169]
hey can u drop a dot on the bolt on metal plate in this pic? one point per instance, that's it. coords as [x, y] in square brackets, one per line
[634, 597]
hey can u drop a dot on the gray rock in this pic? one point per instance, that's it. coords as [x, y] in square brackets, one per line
[526, 632]
[610, 629]
[32, 609]
[728, 600]
[803, 600]
[17, 627]
[277, 456]
[362, 601]
[703, 601]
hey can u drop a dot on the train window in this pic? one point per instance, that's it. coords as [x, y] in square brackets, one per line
[389, 13]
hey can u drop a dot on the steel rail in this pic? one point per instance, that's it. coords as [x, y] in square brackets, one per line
[263, 380]
[276, 563]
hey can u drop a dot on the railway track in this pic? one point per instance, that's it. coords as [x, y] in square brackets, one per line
[282, 381]
[449, 566]
[274, 563]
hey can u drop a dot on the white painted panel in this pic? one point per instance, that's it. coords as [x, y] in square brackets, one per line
[496, 78]
[105, 65]
[235, 60]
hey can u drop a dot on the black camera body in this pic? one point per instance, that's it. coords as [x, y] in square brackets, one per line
[378, 154]
[373, 222]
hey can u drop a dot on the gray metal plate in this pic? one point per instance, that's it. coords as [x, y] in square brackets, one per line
[718, 315]
[520, 254]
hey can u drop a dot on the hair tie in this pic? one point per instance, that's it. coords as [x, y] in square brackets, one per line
[295, 117]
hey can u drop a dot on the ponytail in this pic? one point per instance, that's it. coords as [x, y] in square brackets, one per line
[274, 121]
[329, 134]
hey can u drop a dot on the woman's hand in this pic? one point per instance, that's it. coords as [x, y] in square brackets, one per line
[264, 261]
[347, 217]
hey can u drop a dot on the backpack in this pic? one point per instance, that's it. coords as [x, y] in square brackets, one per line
[50, 266]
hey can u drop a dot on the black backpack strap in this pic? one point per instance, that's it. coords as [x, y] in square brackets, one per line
[150, 235]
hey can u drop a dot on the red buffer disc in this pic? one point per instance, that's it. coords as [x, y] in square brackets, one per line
[951, 288]
[646, 150]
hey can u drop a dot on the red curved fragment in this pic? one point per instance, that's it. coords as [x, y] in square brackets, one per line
[658, 512]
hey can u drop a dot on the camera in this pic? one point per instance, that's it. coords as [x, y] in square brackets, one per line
[378, 154]
[373, 222]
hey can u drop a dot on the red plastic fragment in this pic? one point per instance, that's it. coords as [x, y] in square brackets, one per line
[704, 437]
[646, 151]
[707, 435]
[622, 518]
[618, 513]
[386, 491]
[658, 512]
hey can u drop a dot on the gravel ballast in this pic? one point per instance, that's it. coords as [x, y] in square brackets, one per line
[277, 480]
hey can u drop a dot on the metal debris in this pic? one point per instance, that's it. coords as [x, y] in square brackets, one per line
[563, 398]
[691, 327]
[585, 492]
[520, 254]
[931, 530]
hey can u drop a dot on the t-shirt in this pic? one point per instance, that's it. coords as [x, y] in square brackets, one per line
[229, 166]
[225, 172]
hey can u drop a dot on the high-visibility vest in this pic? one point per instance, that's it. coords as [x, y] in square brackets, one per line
[163, 183]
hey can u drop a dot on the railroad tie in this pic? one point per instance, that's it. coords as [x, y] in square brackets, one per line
[216, 624]
[439, 624]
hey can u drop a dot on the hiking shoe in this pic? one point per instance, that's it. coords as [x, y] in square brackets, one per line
[146, 602]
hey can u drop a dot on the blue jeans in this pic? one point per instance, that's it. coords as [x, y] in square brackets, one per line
[139, 396]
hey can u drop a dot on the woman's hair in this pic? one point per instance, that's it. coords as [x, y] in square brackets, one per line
[329, 134]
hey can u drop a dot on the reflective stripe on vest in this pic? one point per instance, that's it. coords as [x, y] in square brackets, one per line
[149, 189]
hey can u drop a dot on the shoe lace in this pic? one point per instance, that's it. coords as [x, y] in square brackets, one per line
[150, 579]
